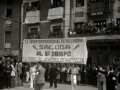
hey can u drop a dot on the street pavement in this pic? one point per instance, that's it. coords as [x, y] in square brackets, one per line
[60, 87]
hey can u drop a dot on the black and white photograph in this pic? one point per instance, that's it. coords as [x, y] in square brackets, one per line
[59, 44]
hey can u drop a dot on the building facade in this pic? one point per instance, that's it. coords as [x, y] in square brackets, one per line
[10, 26]
[48, 16]
[98, 21]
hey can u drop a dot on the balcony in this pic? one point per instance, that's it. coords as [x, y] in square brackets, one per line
[94, 33]
[55, 13]
[32, 16]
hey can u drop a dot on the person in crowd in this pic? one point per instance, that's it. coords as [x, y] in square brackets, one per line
[103, 29]
[46, 72]
[101, 80]
[3, 59]
[50, 35]
[19, 66]
[27, 74]
[60, 34]
[74, 73]
[22, 73]
[4, 75]
[58, 76]
[79, 74]
[68, 79]
[1, 74]
[94, 75]
[53, 74]
[85, 74]
[8, 70]
[32, 74]
[119, 80]
[49, 68]
[40, 79]
[63, 72]
[111, 82]
[12, 75]
[89, 73]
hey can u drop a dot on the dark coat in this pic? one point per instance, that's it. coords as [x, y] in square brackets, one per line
[8, 71]
[1, 70]
[54, 71]
[119, 78]
[110, 80]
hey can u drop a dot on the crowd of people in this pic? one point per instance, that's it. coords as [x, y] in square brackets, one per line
[93, 29]
[10, 67]
[84, 74]
[33, 36]
[56, 34]
[103, 76]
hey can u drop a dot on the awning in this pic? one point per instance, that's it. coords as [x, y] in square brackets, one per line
[32, 17]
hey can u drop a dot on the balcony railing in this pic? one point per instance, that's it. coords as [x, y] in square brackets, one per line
[94, 31]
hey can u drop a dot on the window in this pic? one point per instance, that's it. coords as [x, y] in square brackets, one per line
[34, 6]
[100, 23]
[118, 9]
[9, 13]
[7, 40]
[78, 25]
[8, 2]
[7, 37]
[56, 29]
[34, 30]
[56, 3]
[79, 3]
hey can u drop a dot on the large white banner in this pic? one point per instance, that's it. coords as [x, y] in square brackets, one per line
[70, 50]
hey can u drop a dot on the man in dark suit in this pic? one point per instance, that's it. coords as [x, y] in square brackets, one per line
[53, 74]
[40, 79]
[111, 82]
[8, 70]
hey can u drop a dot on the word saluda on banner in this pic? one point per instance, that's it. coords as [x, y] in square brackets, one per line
[70, 50]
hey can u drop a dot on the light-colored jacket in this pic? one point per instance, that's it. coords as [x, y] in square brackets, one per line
[40, 77]
[13, 71]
